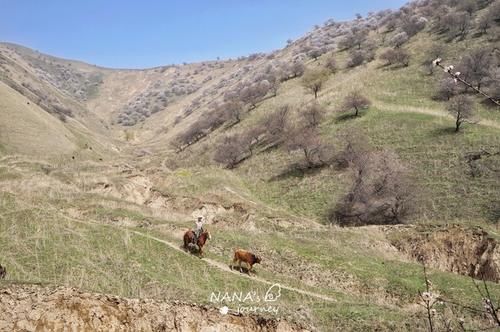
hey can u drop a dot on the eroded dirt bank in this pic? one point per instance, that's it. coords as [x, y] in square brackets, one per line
[34, 308]
[454, 248]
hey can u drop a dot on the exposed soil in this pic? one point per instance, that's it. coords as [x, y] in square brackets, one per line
[34, 308]
[466, 251]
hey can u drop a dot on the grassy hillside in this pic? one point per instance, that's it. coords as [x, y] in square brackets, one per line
[99, 197]
[55, 229]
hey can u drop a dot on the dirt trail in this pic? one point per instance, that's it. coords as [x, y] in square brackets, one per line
[430, 111]
[211, 262]
[226, 268]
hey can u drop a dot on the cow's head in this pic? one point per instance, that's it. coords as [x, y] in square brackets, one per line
[256, 259]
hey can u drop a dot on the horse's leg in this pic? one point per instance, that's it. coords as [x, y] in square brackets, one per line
[239, 264]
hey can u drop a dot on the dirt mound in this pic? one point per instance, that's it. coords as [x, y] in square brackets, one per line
[32, 308]
[466, 251]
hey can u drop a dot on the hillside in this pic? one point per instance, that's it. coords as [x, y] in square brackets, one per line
[103, 170]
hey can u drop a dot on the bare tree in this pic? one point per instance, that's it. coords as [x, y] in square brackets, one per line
[316, 52]
[331, 64]
[356, 58]
[457, 77]
[297, 69]
[231, 151]
[316, 151]
[436, 50]
[252, 137]
[232, 110]
[399, 39]
[382, 191]
[485, 22]
[312, 115]
[275, 125]
[447, 88]
[411, 25]
[462, 108]
[476, 66]
[314, 79]
[396, 56]
[355, 101]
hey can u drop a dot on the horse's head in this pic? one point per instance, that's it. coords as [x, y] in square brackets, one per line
[209, 236]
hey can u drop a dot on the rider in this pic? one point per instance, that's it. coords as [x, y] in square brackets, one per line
[198, 228]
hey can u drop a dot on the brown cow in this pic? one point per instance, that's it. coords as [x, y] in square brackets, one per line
[3, 272]
[246, 257]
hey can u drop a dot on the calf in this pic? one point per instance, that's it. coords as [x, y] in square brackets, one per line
[3, 272]
[246, 257]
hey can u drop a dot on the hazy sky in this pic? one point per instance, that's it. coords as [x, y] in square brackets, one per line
[147, 33]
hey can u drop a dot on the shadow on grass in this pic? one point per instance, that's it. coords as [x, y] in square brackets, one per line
[444, 131]
[242, 269]
[348, 116]
[296, 171]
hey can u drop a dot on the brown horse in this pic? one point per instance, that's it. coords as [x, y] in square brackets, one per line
[189, 239]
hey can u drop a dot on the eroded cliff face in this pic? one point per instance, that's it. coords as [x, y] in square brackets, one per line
[34, 308]
[466, 251]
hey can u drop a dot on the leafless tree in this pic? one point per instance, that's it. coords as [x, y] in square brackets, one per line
[447, 88]
[382, 191]
[331, 64]
[399, 39]
[231, 151]
[485, 22]
[275, 125]
[462, 108]
[355, 101]
[411, 25]
[232, 110]
[314, 79]
[312, 115]
[316, 52]
[457, 77]
[436, 50]
[316, 151]
[252, 137]
[396, 56]
[476, 66]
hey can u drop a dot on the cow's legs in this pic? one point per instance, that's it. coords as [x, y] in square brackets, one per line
[233, 263]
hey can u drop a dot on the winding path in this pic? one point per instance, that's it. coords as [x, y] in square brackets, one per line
[430, 111]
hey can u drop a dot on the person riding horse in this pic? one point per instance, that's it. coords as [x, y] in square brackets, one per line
[198, 229]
